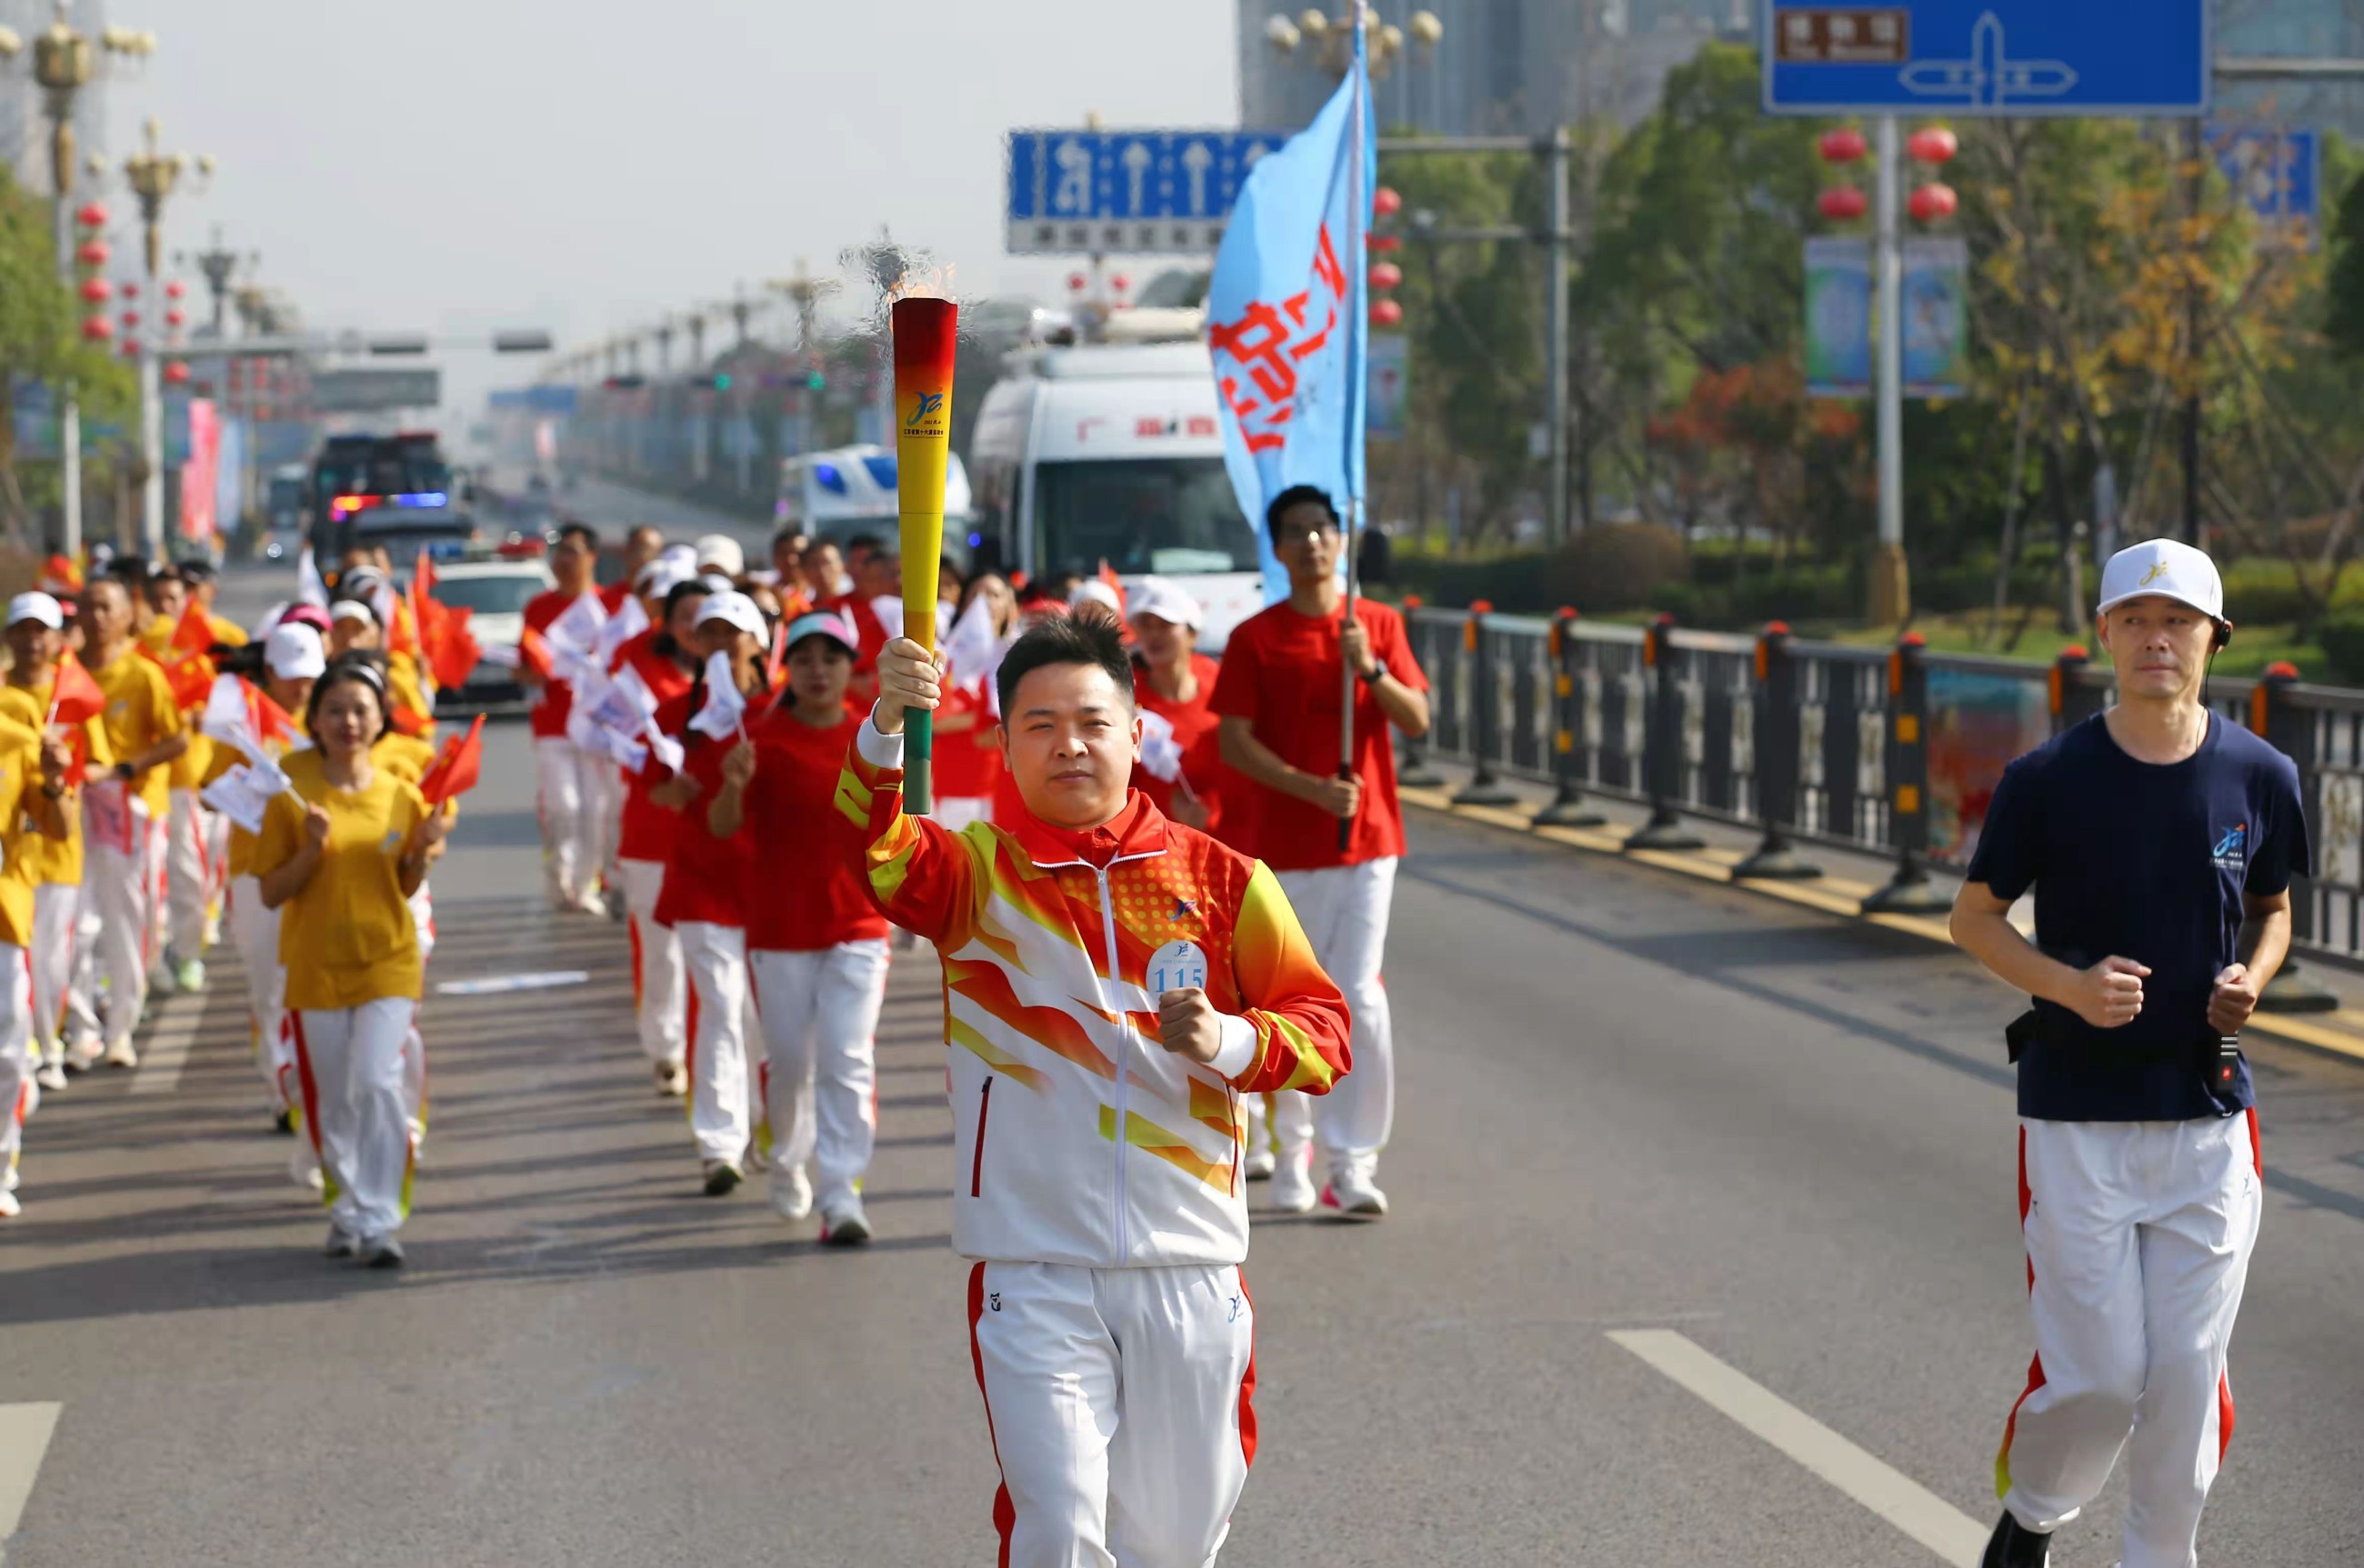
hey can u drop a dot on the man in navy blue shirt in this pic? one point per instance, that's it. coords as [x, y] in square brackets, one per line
[2160, 843]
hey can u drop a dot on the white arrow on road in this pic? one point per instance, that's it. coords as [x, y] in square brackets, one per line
[1195, 161]
[24, 1438]
[1136, 158]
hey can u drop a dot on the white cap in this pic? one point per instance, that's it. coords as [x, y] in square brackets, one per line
[351, 609]
[661, 576]
[1091, 590]
[293, 652]
[2166, 567]
[41, 607]
[718, 584]
[737, 609]
[722, 552]
[1165, 599]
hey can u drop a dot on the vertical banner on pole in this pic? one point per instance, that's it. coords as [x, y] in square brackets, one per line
[1838, 317]
[1937, 317]
[926, 341]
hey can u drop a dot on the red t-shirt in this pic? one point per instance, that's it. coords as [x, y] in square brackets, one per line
[1283, 670]
[1195, 724]
[706, 878]
[811, 893]
[612, 596]
[557, 699]
[866, 626]
[648, 829]
[964, 766]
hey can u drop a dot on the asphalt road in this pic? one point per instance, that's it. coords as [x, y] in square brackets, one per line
[1632, 1104]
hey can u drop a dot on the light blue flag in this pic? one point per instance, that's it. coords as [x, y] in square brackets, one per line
[1285, 318]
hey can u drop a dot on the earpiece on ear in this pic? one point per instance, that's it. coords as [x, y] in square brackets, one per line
[2224, 635]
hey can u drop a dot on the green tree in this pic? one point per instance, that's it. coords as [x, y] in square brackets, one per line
[40, 340]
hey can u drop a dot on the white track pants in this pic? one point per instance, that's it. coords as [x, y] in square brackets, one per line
[188, 876]
[414, 1045]
[820, 1016]
[350, 1064]
[720, 1119]
[81, 977]
[1118, 1401]
[57, 907]
[18, 1092]
[254, 932]
[659, 982]
[121, 887]
[2138, 1240]
[566, 800]
[607, 818]
[1344, 912]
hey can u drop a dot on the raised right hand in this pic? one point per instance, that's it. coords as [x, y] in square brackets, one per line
[738, 765]
[1339, 798]
[316, 827]
[908, 676]
[2110, 994]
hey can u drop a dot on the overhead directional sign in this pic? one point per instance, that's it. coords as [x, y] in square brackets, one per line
[2278, 175]
[2006, 59]
[1112, 191]
[372, 391]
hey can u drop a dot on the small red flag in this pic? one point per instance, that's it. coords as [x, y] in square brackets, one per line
[777, 659]
[195, 634]
[454, 773]
[270, 721]
[60, 574]
[191, 679]
[407, 720]
[77, 698]
[534, 653]
[452, 650]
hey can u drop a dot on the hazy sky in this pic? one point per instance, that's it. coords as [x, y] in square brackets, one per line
[452, 165]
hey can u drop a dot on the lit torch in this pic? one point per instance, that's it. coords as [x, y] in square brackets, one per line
[925, 331]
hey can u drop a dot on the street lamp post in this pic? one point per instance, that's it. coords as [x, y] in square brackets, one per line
[153, 175]
[64, 63]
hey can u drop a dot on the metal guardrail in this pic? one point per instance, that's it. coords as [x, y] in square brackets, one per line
[1892, 751]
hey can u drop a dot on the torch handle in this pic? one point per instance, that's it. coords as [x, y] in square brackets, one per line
[919, 747]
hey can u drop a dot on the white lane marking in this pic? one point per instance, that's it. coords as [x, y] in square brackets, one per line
[23, 1437]
[167, 1051]
[496, 985]
[1894, 1496]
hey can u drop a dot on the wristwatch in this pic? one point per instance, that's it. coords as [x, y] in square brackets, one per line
[123, 770]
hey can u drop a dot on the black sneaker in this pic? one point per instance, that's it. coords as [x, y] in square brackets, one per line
[2013, 1545]
[284, 1124]
[721, 1178]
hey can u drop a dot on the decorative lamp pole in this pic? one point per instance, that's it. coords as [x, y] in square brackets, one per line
[154, 176]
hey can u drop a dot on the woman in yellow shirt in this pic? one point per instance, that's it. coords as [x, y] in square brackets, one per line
[340, 858]
[32, 789]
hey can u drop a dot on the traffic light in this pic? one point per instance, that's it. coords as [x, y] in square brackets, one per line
[816, 380]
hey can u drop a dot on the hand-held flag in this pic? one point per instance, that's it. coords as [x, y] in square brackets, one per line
[77, 698]
[194, 633]
[534, 653]
[455, 771]
[926, 344]
[725, 708]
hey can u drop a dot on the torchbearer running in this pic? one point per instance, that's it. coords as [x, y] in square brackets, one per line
[2160, 843]
[1113, 984]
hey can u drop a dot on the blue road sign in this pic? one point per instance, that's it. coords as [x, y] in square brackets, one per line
[1127, 191]
[2278, 174]
[2005, 59]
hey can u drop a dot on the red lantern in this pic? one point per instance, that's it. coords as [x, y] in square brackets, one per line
[1120, 283]
[92, 253]
[1385, 201]
[130, 349]
[1386, 275]
[95, 291]
[1386, 242]
[1932, 144]
[176, 374]
[92, 217]
[1078, 283]
[97, 328]
[1386, 313]
[130, 291]
[130, 318]
[175, 289]
[1932, 202]
[1843, 145]
[1841, 203]
[175, 319]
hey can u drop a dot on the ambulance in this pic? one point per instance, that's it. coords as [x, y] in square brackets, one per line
[1110, 451]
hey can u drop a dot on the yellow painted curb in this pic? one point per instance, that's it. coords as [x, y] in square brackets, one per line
[1833, 896]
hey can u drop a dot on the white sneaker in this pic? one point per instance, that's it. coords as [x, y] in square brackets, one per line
[1292, 1190]
[791, 1193]
[304, 1169]
[589, 902]
[842, 1223]
[1355, 1196]
[82, 1055]
[379, 1252]
[10, 1179]
[10, 1207]
[673, 1079]
[189, 976]
[340, 1242]
[52, 1074]
[1259, 1163]
[122, 1054]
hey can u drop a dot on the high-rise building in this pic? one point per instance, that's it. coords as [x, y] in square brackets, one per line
[24, 116]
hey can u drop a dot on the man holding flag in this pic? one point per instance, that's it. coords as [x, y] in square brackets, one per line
[1309, 686]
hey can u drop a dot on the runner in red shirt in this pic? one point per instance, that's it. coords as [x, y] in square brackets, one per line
[816, 945]
[967, 764]
[878, 574]
[567, 789]
[1180, 769]
[704, 895]
[1280, 698]
[665, 658]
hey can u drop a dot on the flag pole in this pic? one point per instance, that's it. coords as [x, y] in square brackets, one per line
[1359, 107]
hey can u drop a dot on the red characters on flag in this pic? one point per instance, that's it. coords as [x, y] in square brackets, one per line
[1267, 341]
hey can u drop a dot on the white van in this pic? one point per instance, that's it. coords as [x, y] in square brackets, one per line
[1110, 452]
[845, 491]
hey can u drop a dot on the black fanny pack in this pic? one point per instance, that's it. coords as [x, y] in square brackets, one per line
[2218, 1057]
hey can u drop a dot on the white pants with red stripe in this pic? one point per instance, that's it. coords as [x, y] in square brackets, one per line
[566, 797]
[720, 1096]
[1344, 912]
[414, 1045]
[1119, 1404]
[254, 932]
[121, 887]
[356, 1110]
[2138, 1238]
[660, 983]
[18, 1092]
[607, 802]
[820, 1016]
[57, 910]
[188, 876]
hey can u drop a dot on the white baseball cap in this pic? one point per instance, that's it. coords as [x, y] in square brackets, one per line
[2166, 567]
[37, 606]
[738, 610]
[661, 576]
[1092, 591]
[293, 652]
[722, 552]
[351, 609]
[1165, 599]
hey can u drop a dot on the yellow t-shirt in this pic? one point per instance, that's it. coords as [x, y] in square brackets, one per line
[405, 756]
[403, 684]
[20, 765]
[140, 715]
[348, 937]
[55, 861]
[189, 769]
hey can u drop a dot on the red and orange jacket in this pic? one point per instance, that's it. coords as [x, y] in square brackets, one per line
[1055, 948]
